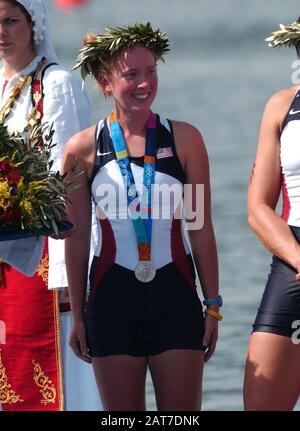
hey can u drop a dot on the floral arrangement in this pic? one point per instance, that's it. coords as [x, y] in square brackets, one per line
[32, 197]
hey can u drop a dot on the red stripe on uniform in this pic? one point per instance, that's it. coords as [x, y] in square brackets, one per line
[107, 255]
[286, 205]
[179, 255]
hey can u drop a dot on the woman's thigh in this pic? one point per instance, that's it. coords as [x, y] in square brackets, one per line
[177, 379]
[272, 375]
[121, 382]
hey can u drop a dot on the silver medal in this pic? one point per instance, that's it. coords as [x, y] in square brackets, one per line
[145, 271]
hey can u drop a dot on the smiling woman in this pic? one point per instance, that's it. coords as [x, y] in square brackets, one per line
[134, 65]
[143, 308]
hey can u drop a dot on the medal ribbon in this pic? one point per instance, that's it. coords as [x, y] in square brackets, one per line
[142, 224]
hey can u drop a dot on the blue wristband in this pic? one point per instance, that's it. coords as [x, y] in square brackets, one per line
[218, 300]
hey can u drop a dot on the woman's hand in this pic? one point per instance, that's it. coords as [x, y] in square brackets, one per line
[63, 234]
[78, 341]
[297, 267]
[210, 336]
[64, 297]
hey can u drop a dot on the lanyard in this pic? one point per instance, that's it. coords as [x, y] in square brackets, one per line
[142, 225]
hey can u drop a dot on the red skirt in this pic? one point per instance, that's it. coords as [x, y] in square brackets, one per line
[30, 355]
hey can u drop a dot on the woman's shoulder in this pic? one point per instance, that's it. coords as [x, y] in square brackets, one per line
[278, 106]
[80, 151]
[55, 72]
[82, 142]
[186, 132]
[57, 76]
[283, 97]
[189, 142]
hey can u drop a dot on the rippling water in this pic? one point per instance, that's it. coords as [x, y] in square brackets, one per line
[218, 77]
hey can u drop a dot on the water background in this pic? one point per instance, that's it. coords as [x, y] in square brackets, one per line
[218, 77]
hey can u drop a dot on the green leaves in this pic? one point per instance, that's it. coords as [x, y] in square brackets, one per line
[106, 45]
[37, 193]
[287, 35]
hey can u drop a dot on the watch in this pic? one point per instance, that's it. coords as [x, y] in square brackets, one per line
[218, 300]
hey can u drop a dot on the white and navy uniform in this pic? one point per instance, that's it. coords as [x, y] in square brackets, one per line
[124, 315]
[280, 305]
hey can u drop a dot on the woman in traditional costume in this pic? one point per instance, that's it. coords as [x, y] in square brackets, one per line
[143, 308]
[38, 370]
[272, 375]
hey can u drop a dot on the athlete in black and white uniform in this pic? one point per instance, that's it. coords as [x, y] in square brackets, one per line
[125, 315]
[272, 373]
[280, 305]
[143, 310]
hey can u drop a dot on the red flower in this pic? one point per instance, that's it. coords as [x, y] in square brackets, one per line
[4, 168]
[12, 214]
[13, 177]
[12, 174]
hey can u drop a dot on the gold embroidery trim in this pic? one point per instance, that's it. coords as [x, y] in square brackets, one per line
[7, 395]
[2, 278]
[13, 96]
[34, 116]
[37, 97]
[43, 269]
[47, 390]
[58, 350]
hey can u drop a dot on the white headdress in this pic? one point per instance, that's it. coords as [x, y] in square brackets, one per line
[42, 37]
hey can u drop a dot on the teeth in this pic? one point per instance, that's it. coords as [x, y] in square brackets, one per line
[141, 96]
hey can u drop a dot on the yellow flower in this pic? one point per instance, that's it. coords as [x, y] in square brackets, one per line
[36, 185]
[20, 186]
[26, 207]
[4, 194]
[4, 187]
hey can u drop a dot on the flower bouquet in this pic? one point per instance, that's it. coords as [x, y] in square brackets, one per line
[32, 196]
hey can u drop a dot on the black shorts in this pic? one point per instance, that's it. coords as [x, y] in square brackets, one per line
[280, 304]
[126, 316]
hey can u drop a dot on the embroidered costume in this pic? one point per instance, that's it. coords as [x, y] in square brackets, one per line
[38, 370]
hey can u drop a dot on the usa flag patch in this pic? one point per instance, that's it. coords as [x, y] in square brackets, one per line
[162, 153]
